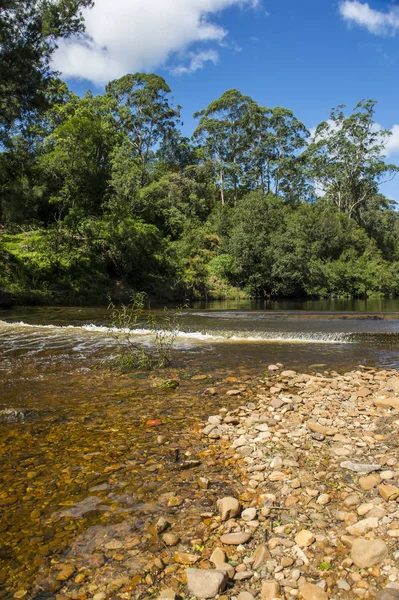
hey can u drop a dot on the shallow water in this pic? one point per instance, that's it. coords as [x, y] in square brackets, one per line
[74, 447]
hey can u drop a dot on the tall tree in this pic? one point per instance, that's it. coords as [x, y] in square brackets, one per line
[222, 130]
[29, 30]
[145, 115]
[347, 158]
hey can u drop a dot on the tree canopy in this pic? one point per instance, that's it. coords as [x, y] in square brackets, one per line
[104, 195]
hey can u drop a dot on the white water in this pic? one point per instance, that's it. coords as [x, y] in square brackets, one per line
[197, 336]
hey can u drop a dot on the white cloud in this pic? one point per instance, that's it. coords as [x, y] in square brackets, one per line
[393, 142]
[375, 21]
[125, 36]
[197, 61]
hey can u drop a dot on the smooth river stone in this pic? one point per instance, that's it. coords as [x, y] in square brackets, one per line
[359, 468]
[235, 539]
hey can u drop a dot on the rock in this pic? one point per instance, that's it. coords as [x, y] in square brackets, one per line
[317, 428]
[367, 553]
[388, 594]
[243, 575]
[235, 539]
[260, 556]
[363, 392]
[245, 596]
[393, 384]
[167, 594]
[309, 591]
[304, 538]
[205, 583]
[161, 525]
[228, 507]
[362, 526]
[270, 590]
[186, 559]
[6, 300]
[342, 584]
[390, 402]
[249, 514]
[388, 492]
[323, 499]
[273, 368]
[170, 539]
[360, 468]
[288, 374]
[203, 483]
[218, 558]
[370, 481]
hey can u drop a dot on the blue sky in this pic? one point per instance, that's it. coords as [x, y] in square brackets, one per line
[307, 56]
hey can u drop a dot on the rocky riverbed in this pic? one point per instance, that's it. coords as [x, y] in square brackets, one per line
[296, 496]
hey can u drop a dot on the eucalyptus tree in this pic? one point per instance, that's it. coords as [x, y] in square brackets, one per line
[29, 30]
[347, 158]
[145, 115]
[275, 139]
[223, 132]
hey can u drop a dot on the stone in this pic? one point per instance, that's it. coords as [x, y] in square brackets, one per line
[388, 492]
[249, 514]
[245, 596]
[186, 559]
[390, 402]
[273, 368]
[367, 553]
[218, 558]
[288, 374]
[323, 499]
[270, 590]
[370, 481]
[235, 539]
[161, 525]
[203, 583]
[243, 575]
[388, 594]
[362, 526]
[309, 591]
[393, 384]
[170, 539]
[228, 507]
[317, 428]
[304, 538]
[360, 468]
[363, 392]
[167, 594]
[342, 584]
[260, 556]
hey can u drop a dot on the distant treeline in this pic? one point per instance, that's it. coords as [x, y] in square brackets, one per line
[103, 194]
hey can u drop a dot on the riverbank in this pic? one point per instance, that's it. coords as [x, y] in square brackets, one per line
[306, 471]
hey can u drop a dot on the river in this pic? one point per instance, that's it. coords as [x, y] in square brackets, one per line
[74, 447]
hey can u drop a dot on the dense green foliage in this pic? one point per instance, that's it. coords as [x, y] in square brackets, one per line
[103, 195]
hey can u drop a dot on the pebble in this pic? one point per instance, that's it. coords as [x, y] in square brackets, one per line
[228, 507]
[367, 553]
[309, 591]
[204, 583]
[170, 539]
[235, 539]
[270, 590]
[304, 538]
